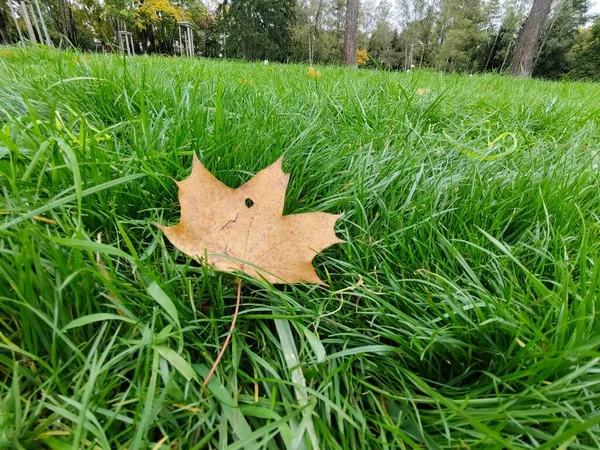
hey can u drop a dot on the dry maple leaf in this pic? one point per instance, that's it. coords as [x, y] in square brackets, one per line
[244, 229]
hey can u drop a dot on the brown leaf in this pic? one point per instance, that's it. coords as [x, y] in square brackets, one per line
[244, 229]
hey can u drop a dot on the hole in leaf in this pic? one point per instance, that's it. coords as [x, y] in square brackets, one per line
[249, 203]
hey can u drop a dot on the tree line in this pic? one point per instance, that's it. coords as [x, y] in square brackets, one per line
[544, 38]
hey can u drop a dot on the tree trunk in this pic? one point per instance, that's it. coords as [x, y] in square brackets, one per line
[4, 34]
[72, 27]
[61, 21]
[65, 22]
[529, 39]
[350, 29]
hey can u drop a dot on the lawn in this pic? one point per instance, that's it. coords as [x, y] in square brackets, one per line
[462, 311]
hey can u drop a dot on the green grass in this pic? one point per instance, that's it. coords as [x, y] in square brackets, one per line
[463, 310]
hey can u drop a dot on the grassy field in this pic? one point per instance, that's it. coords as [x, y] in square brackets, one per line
[463, 310]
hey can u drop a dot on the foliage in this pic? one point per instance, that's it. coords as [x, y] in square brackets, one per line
[462, 310]
[586, 54]
[379, 43]
[206, 31]
[559, 37]
[156, 11]
[319, 31]
[420, 42]
[461, 33]
[259, 29]
[501, 43]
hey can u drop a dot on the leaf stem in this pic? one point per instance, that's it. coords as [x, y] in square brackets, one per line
[228, 338]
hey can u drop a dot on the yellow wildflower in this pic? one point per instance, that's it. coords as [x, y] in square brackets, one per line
[314, 74]
[362, 56]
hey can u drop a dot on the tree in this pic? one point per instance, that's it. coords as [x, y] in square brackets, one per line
[155, 21]
[419, 39]
[381, 42]
[4, 22]
[371, 13]
[318, 31]
[501, 43]
[586, 54]
[417, 20]
[205, 28]
[90, 19]
[350, 29]
[462, 35]
[555, 56]
[64, 22]
[259, 29]
[528, 44]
